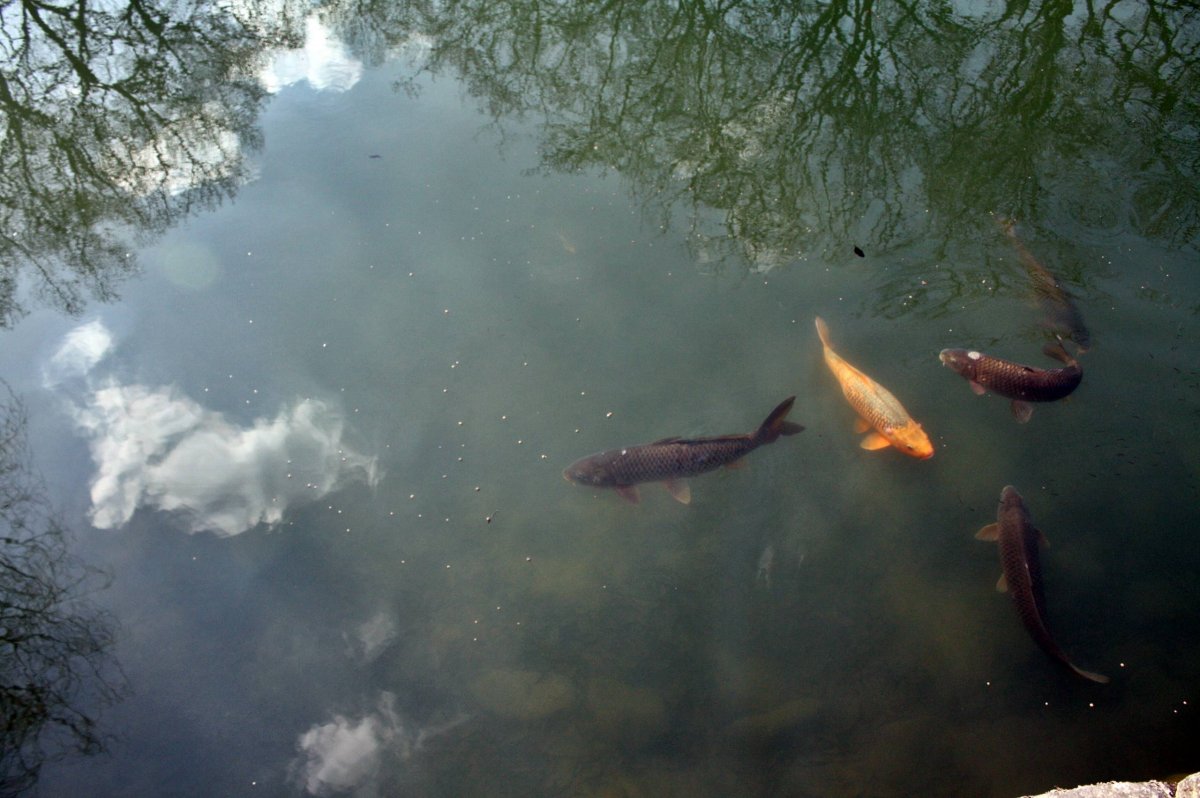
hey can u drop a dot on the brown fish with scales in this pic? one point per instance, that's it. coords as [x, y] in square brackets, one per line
[1023, 384]
[1021, 577]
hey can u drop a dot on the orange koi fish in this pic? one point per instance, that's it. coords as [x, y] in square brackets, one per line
[876, 407]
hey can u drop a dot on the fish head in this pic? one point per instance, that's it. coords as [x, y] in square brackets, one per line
[1009, 497]
[961, 361]
[588, 471]
[912, 440]
[1013, 510]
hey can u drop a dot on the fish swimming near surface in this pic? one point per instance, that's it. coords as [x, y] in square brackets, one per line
[876, 407]
[1022, 573]
[1023, 384]
[672, 460]
[1062, 316]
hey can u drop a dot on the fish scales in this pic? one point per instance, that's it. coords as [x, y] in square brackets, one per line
[1018, 540]
[677, 459]
[875, 405]
[1015, 380]
[672, 460]
[873, 402]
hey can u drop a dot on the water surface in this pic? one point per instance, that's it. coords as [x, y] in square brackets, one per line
[307, 401]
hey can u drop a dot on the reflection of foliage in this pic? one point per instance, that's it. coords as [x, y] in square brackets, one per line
[115, 119]
[53, 643]
[791, 129]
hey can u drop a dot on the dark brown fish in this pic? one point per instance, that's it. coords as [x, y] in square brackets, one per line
[1022, 573]
[1062, 317]
[1023, 384]
[671, 460]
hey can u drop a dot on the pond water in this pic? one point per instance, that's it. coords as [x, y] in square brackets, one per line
[306, 314]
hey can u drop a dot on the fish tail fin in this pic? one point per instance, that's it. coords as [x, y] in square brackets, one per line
[823, 331]
[776, 424]
[1091, 677]
[1059, 352]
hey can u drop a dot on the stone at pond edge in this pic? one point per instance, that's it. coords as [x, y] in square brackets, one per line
[1119, 789]
[523, 695]
[1188, 787]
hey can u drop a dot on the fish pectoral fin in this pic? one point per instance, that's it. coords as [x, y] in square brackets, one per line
[629, 493]
[1002, 584]
[874, 441]
[861, 424]
[1042, 539]
[977, 388]
[738, 463]
[680, 490]
[1022, 411]
[991, 532]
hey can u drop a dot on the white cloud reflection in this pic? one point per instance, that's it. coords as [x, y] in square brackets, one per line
[346, 753]
[322, 61]
[154, 447]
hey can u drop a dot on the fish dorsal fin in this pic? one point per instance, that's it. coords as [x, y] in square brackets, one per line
[680, 490]
[977, 388]
[991, 532]
[1002, 584]
[875, 441]
[861, 424]
[673, 439]
[1022, 411]
[629, 493]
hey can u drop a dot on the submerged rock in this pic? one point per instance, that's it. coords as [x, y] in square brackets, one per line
[632, 715]
[523, 695]
[762, 727]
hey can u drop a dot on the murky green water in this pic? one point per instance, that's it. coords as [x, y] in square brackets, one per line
[346, 290]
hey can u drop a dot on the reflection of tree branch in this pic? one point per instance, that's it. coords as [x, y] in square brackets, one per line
[783, 131]
[117, 120]
[54, 644]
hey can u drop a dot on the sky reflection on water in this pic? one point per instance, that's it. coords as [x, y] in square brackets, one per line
[356, 381]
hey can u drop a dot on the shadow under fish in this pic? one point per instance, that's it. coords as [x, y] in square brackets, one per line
[1062, 317]
[1021, 576]
[1023, 384]
[672, 460]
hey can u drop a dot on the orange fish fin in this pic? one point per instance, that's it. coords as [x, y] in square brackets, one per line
[680, 490]
[991, 532]
[629, 493]
[822, 331]
[1002, 584]
[875, 441]
[977, 388]
[738, 463]
[1042, 539]
[861, 424]
[1022, 411]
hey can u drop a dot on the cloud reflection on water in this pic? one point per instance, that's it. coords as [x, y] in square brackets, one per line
[346, 753]
[155, 447]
